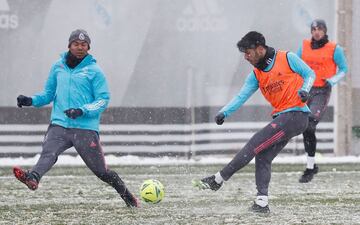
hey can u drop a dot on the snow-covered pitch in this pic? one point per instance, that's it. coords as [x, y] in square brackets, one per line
[72, 195]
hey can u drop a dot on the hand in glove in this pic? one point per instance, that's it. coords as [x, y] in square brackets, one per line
[23, 100]
[327, 83]
[219, 118]
[73, 113]
[304, 95]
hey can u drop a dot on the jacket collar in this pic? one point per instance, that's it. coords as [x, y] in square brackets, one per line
[89, 59]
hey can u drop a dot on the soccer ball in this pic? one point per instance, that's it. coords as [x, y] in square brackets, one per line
[152, 191]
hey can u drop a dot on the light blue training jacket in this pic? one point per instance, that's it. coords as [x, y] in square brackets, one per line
[251, 85]
[83, 87]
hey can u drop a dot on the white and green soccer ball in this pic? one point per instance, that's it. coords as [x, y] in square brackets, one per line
[152, 191]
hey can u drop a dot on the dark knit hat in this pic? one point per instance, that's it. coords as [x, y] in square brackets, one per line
[319, 23]
[79, 34]
[252, 40]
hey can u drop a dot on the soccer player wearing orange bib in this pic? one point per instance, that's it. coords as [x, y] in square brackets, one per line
[284, 80]
[328, 61]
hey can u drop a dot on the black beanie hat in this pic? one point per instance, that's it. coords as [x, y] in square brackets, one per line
[251, 40]
[79, 34]
[319, 23]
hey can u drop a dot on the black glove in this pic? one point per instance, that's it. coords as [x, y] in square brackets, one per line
[219, 118]
[304, 95]
[23, 100]
[73, 113]
[327, 84]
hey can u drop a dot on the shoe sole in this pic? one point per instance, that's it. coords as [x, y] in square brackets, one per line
[265, 213]
[260, 211]
[304, 181]
[308, 181]
[20, 175]
[196, 184]
[199, 184]
[316, 170]
[203, 185]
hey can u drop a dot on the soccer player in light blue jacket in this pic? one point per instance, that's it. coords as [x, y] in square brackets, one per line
[78, 89]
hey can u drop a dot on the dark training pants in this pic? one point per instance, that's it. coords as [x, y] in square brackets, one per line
[265, 145]
[87, 145]
[318, 101]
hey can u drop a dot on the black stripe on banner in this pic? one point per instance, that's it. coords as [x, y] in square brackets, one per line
[156, 143]
[170, 154]
[149, 115]
[156, 133]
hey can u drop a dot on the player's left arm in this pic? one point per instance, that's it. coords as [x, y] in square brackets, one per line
[299, 51]
[340, 60]
[301, 68]
[101, 97]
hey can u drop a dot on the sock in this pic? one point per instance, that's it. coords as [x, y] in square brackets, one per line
[35, 175]
[218, 178]
[310, 162]
[262, 200]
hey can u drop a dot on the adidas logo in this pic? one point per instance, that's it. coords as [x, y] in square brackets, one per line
[93, 144]
[268, 61]
[7, 19]
[202, 15]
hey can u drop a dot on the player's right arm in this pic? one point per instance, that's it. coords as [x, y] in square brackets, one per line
[48, 94]
[248, 89]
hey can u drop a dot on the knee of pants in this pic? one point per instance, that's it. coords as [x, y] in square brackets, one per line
[312, 123]
[260, 160]
[311, 128]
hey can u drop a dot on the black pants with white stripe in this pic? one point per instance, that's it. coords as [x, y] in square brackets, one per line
[318, 101]
[265, 146]
[87, 145]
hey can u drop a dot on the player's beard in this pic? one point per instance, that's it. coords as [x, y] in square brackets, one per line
[80, 54]
[315, 44]
[72, 60]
